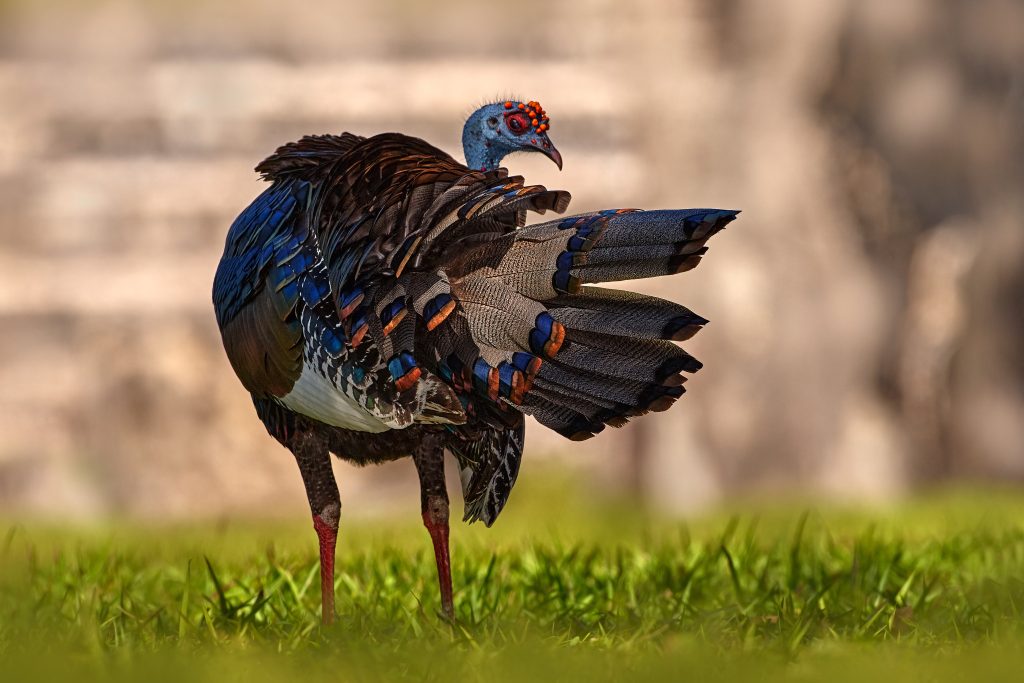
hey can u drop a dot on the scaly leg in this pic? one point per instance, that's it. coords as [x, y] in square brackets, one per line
[429, 459]
[314, 462]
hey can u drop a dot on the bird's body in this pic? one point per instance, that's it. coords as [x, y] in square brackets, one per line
[382, 300]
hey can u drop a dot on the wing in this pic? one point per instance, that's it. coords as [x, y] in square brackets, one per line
[387, 216]
[256, 289]
[268, 273]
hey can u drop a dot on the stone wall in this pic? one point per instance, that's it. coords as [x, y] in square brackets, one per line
[866, 306]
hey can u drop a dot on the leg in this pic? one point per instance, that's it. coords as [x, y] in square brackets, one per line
[314, 460]
[429, 459]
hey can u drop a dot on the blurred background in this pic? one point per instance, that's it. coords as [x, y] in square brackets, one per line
[867, 308]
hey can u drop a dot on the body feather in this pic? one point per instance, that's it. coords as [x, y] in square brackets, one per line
[380, 285]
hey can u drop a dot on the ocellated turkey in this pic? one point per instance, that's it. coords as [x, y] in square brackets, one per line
[381, 300]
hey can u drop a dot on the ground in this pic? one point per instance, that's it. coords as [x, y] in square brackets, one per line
[560, 588]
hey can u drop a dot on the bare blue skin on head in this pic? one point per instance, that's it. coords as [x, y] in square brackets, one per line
[494, 131]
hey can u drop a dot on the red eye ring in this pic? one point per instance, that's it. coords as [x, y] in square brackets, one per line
[516, 123]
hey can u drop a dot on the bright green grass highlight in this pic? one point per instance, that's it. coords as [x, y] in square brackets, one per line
[929, 591]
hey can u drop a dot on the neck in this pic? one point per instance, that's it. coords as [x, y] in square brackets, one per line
[480, 155]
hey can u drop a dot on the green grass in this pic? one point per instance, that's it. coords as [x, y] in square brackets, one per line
[932, 590]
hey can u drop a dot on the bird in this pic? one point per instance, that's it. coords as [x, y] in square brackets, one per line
[382, 300]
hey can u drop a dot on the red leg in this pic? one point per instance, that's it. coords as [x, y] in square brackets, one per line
[328, 537]
[429, 459]
[314, 460]
[435, 518]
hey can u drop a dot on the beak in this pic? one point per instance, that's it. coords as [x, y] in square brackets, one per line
[547, 148]
[555, 156]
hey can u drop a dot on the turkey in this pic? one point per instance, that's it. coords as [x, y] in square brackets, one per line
[381, 300]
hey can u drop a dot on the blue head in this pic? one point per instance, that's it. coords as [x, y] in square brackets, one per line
[496, 130]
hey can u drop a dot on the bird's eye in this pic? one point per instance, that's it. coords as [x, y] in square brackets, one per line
[516, 123]
[492, 122]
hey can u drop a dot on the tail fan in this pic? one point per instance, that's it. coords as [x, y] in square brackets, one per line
[614, 357]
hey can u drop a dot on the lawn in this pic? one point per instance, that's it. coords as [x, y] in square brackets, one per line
[931, 590]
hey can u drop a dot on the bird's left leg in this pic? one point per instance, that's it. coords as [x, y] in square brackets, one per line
[314, 460]
[429, 459]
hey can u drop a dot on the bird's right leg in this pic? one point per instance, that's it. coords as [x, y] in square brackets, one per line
[314, 460]
[429, 459]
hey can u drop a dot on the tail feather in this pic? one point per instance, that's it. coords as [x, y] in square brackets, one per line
[566, 421]
[596, 356]
[640, 269]
[590, 406]
[666, 226]
[498, 315]
[585, 387]
[598, 395]
[618, 312]
[557, 257]
[641, 360]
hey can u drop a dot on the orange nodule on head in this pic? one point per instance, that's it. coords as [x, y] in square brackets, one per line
[537, 116]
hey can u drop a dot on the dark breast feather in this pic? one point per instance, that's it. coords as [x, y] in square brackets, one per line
[256, 291]
[264, 345]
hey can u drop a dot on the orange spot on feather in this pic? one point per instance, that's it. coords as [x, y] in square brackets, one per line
[518, 387]
[555, 342]
[441, 315]
[493, 384]
[408, 380]
[347, 311]
[394, 321]
[357, 338]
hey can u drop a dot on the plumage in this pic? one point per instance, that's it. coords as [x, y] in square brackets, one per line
[381, 299]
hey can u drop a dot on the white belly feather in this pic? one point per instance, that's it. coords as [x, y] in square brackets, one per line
[317, 397]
